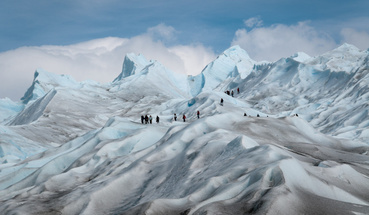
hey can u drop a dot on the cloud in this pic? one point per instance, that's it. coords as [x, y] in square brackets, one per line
[277, 41]
[99, 59]
[162, 31]
[358, 38]
[253, 22]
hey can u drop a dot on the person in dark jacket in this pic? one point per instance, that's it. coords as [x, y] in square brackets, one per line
[146, 119]
[198, 114]
[157, 119]
[184, 118]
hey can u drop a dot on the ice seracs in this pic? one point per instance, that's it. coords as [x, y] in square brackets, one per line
[231, 63]
[149, 78]
[45, 81]
[132, 64]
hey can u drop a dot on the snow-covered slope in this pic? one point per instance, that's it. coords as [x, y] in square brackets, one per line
[80, 147]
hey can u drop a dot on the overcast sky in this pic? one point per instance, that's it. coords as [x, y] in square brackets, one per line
[88, 39]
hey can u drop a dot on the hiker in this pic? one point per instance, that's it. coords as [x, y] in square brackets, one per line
[232, 93]
[175, 117]
[150, 118]
[142, 119]
[238, 90]
[221, 101]
[198, 114]
[244, 114]
[157, 119]
[146, 119]
[184, 118]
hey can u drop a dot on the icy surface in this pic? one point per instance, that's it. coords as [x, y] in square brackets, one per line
[80, 148]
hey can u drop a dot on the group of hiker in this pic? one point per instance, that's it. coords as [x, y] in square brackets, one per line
[184, 116]
[148, 119]
[257, 115]
[231, 93]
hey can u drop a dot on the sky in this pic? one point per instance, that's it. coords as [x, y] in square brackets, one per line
[88, 39]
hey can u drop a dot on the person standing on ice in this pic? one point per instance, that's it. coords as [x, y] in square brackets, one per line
[198, 114]
[221, 101]
[232, 93]
[157, 119]
[146, 119]
[238, 90]
[142, 119]
[175, 117]
[184, 118]
[150, 118]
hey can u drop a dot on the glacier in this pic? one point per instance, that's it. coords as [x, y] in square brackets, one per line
[293, 140]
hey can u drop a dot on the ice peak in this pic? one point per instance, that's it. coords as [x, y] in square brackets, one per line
[236, 50]
[231, 63]
[44, 81]
[347, 47]
[300, 56]
[43, 76]
[132, 64]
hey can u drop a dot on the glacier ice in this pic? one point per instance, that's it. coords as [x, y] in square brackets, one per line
[80, 147]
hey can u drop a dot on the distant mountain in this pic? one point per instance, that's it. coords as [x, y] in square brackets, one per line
[294, 140]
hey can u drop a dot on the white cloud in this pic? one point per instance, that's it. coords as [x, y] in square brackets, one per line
[193, 57]
[358, 38]
[99, 59]
[162, 31]
[253, 22]
[277, 41]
